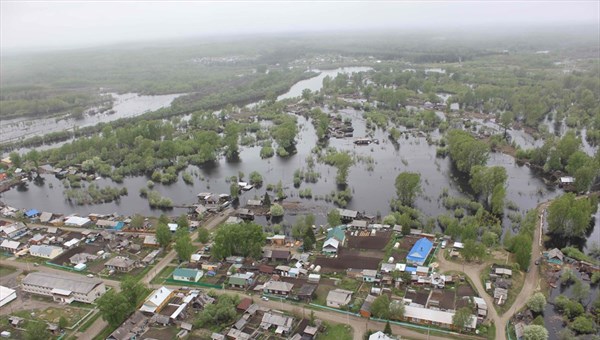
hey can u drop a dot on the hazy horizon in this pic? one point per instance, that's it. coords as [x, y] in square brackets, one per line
[30, 26]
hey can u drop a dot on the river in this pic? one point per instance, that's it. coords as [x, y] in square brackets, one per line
[124, 106]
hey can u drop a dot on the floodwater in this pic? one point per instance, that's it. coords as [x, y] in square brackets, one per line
[124, 106]
[372, 189]
[315, 83]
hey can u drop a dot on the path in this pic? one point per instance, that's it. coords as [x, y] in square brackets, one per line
[530, 284]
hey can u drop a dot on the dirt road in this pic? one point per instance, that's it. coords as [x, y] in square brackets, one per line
[530, 286]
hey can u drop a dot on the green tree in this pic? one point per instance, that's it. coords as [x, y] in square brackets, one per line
[473, 251]
[584, 178]
[334, 218]
[137, 222]
[380, 308]
[462, 318]
[218, 314]
[535, 332]
[256, 178]
[203, 235]
[309, 239]
[244, 239]
[230, 140]
[389, 220]
[114, 308]
[408, 185]
[183, 222]
[583, 324]
[466, 151]
[397, 310]
[388, 328]
[488, 180]
[133, 290]
[63, 322]
[16, 159]
[569, 217]
[581, 291]
[184, 246]
[497, 201]
[342, 161]
[34, 157]
[163, 235]
[276, 210]
[537, 302]
[234, 190]
[37, 330]
[489, 239]
[267, 200]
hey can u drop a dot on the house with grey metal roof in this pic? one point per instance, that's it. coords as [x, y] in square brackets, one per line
[45, 251]
[120, 264]
[63, 287]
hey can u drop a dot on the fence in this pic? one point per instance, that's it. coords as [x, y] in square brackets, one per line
[199, 284]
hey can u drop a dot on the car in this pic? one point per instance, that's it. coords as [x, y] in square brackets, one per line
[537, 262]
[264, 298]
[90, 275]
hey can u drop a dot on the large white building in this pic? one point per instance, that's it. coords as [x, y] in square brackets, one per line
[7, 295]
[64, 288]
[45, 251]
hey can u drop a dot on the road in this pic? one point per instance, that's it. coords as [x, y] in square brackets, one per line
[99, 325]
[530, 285]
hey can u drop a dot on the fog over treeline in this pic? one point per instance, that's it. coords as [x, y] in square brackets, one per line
[27, 26]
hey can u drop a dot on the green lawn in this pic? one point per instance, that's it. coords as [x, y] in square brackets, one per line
[90, 322]
[164, 274]
[336, 332]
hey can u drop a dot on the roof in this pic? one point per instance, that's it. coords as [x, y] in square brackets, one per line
[366, 306]
[32, 212]
[77, 221]
[433, 315]
[278, 286]
[172, 226]
[74, 283]
[420, 250]
[254, 202]
[307, 290]
[379, 335]
[44, 250]
[458, 245]
[150, 239]
[45, 217]
[503, 271]
[280, 254]
[369, 272]
[340, 296]
[348, 213]
[127, 329]
[244, 304]
[5, 292]
[186, 272]
[155, 299]
[71, 242]
[10, 244]
[555, 253]
[120, 261]
[337, 233]
[331, 242]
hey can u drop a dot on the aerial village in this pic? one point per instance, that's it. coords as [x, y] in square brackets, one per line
[60, 265]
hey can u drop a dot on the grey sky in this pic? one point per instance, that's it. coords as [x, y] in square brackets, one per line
[53, 24]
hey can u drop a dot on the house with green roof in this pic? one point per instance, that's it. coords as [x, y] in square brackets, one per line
[186, 274]
[338, 233]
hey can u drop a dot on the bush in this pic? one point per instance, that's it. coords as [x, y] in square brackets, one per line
[276, 210]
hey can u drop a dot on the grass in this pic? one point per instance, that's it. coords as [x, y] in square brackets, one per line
[89, 322]
[518, 279]
[105, 333]
[53, 314]
[7, 270]
[336, 332]
[164, 274]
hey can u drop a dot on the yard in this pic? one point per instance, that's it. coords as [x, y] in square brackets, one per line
[7, 270]
[164, 274]
[53, 314]
[336, 332]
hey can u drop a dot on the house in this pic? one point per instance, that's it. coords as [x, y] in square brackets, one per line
[172, 227]
[254, 203]
[244, 304]
[331, 246]
[7, 295]
[185, 274]
[63, 287]
[157, 300]
[438, 318]
[211, 266]
[379, 335]
[234, 259]
[76, 221]
[278, 288]
[71, 243]
[14, 231]
[45, 217]
[338, 233]
[481, 307]
[265, 269]
[149, 259]
[505, 272]
[419, 252]
[245, 214]
[81, 258]
[120, 264]
[338, 298]
[10, 246]
[369, 275]
[32, 213]
[37, 239]
[554, 256]
[233, 220]
[277, 240]
[276, 255]
[282, 323]
[520, 330]
[132, 328]
[422, 271]
[365, 309]
[306, 292]
[45, 251]
[348, 215]
[241, 280]
[500, 295]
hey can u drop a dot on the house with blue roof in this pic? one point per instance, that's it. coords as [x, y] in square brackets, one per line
[419, 252]
[32, 213]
